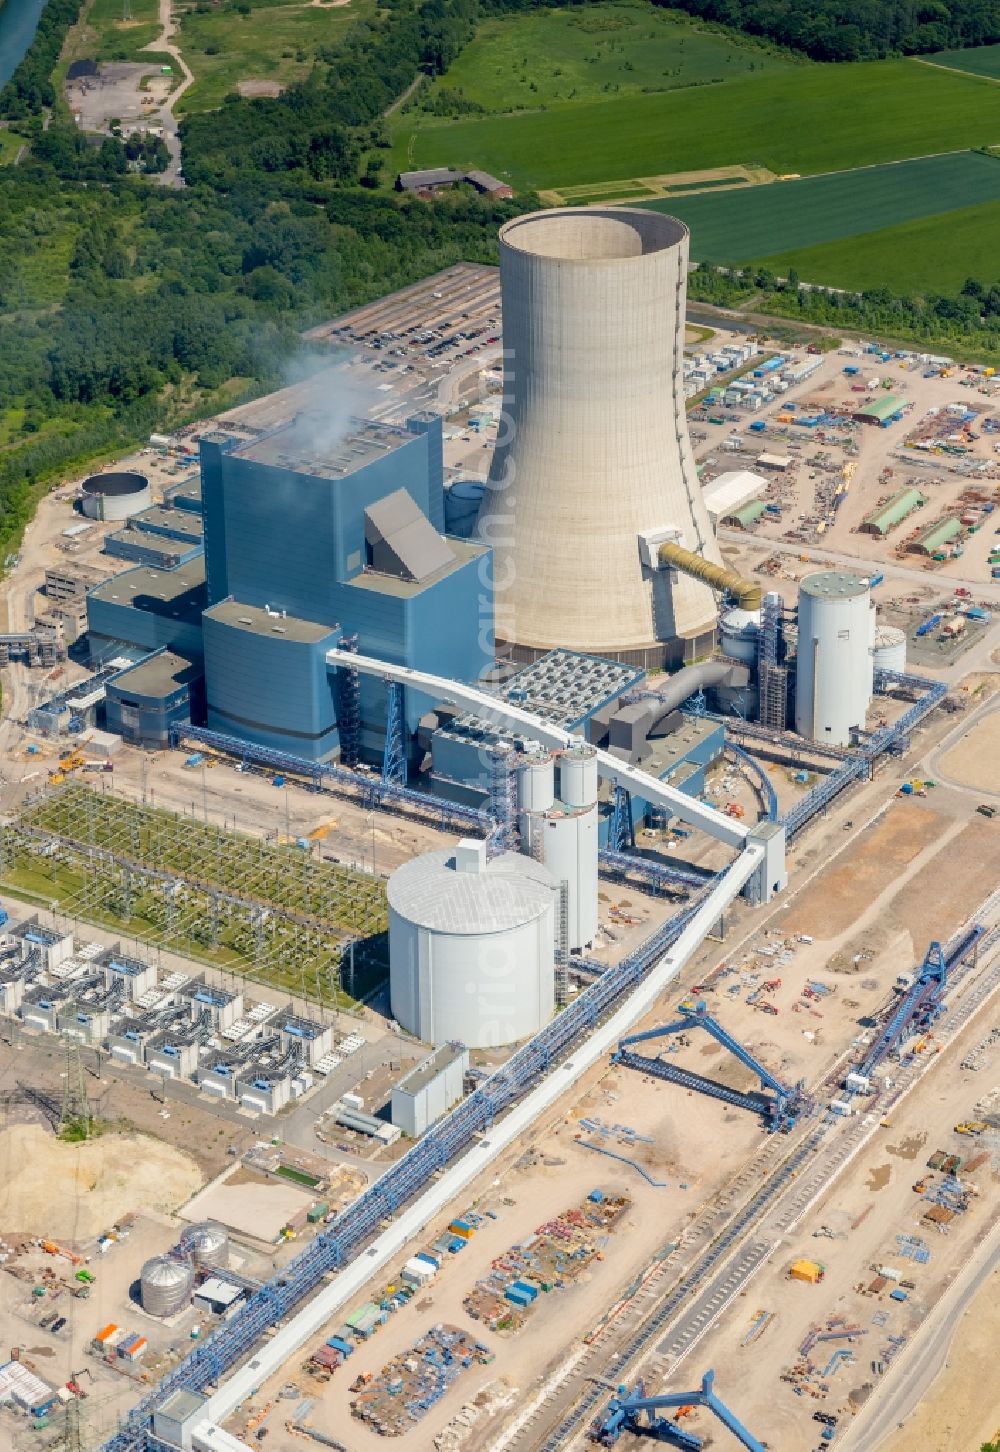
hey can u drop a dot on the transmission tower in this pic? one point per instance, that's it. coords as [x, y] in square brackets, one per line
[75, 1105]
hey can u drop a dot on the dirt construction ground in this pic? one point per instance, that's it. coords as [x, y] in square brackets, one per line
[75, 1191]
[975, 760]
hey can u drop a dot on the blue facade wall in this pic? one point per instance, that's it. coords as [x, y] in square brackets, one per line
[277, 536]
[146, 720]
[275, 691]
[146, 628]
[160, 553]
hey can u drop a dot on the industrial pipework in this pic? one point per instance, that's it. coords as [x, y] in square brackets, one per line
[748, 594]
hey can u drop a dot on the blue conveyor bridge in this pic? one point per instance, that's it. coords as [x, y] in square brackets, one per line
[636, 1412]
[779, 1109]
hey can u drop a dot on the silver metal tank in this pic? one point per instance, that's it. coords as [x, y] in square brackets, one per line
[207, 1243]
[165, 1285]
[578, 776]
[738, 630]
[890, 648]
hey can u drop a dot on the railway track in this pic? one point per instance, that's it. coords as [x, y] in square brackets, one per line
[670, 1312]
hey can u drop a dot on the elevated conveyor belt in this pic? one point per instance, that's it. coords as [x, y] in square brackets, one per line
[508, 717]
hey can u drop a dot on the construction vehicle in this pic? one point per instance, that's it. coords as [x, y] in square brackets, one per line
[56, 778]
[972, 1126]
[72, 760]
[635, 1412]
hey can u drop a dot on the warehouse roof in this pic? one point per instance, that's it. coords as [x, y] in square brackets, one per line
[748, 514]
[882, 408]
[185, 521]
[880, 521]
[434, 891]
[731, 491]
[939, 533]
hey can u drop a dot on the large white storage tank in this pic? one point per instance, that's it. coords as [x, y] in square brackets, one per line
[834, 670]
[536, 782]
[890, 648]
[569, 851]
[471, 946]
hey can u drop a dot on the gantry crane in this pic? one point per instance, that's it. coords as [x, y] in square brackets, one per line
[636, 1412]
[780, 1108]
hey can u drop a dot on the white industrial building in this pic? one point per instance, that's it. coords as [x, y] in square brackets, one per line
[472, 946]
[730, 492]
[834, 670]
[597, 452]
[563, 834]
[430, 1089]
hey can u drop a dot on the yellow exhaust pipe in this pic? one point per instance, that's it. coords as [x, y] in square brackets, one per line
[749, 594]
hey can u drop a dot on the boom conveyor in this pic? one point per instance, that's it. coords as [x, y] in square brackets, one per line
[780, 1109]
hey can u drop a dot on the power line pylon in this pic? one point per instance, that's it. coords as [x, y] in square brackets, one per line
[76, 1105]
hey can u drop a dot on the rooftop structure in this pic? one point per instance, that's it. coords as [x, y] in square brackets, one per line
[150, 608]
[881, 410]
[935, 536]
[311, 445]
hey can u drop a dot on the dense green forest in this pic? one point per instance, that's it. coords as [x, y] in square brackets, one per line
[848, 30]
[126, 306]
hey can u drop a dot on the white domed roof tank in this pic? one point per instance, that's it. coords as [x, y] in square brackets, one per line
[834, 671]
[471, 946]
[207, 1243]
[578, 776]
[165, 1285]
[890, 648]
[536, 782]
[738, 630]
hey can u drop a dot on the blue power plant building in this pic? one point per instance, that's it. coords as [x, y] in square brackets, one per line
[311, 536]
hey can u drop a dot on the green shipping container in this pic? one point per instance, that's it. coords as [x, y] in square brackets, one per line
[318, 1211]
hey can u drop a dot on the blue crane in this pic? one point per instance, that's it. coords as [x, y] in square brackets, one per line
[780, 1109]
[923, 1001]
[636, 1412]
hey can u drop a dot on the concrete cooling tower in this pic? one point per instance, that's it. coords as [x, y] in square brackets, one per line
[593, 468]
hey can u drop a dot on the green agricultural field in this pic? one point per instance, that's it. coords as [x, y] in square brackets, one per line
[745, 225]
[276, 41]
[522, 61]
[102, 34]
[982, 60]
[933, 255]
[804, 120]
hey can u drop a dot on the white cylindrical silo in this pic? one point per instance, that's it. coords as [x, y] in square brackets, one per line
[738, 630]
[595, 450]
[536, 782]
[578, 776]
[471, 946]
[834, 671]
[569, 851]
[890, 648]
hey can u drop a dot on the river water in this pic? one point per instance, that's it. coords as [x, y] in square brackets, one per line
[18, 23]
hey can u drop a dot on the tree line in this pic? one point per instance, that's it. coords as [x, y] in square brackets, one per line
[851, 30]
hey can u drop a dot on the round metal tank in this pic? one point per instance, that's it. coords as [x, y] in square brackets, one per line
[116, 495]
[834, 671]
[536, 790]
[569, 851]
[594, 436]
[471, 946]
[461, 507]
[738, 630]
[165, 1285]
[207, 1243]
[890, 648]
[578, 776]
